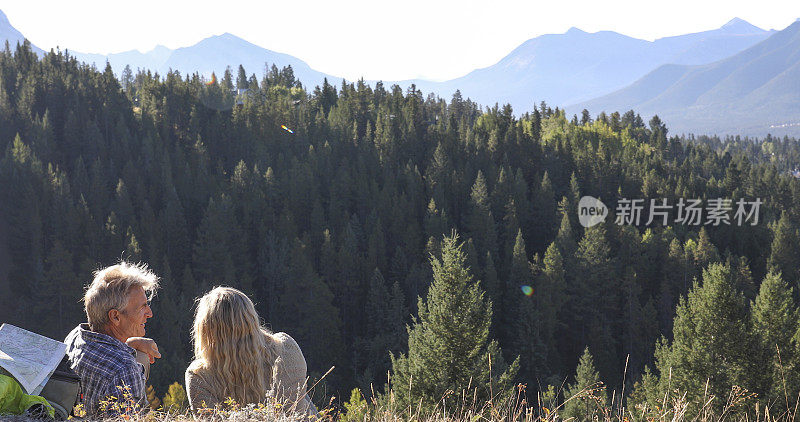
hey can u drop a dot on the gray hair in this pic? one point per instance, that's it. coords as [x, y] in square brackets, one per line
[111, 287]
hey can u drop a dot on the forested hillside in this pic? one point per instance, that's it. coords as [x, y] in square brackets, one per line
[329, 224]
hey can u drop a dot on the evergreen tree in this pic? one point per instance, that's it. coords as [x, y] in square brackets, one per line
[241, 78]
[510, 231]
[565, 238]
[55, 299]
[449, 346]
[677, 277]
[227, 81]
[639, 325]
[480, 223]
[491, 285]
[704, 252]
[519, 322]
[744, 277]
[587, 395]
[783, 253]
[306, 310]
[712, 346]
[350, 288]
[595, 297]
[385, 330]
[775, 324]
[166, 311]
[550, 298]
[544, 217]
[176, 237]
[213, 259]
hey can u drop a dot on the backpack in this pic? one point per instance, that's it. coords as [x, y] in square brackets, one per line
[63, 390]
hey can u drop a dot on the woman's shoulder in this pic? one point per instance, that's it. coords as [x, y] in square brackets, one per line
[288, 350]
[195, 368]
[286, 344]
[282, 338]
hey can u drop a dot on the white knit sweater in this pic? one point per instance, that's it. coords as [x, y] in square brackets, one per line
[288, 378]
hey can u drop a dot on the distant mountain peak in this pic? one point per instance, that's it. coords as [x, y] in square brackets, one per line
[741, 26]
[4, 19]
[574, 30]
[229, 36]
[734, 22]
[225, 38]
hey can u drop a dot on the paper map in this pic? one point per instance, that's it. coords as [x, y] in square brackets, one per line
[29, 357]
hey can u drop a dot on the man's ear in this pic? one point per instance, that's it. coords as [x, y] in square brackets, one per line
[113, 317]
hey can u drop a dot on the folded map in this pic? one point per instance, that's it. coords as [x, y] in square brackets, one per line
[29, 357]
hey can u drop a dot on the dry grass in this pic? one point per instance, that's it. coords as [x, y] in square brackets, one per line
[739, 406]
[513, 409]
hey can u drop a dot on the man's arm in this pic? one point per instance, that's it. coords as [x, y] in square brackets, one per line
[145, 345]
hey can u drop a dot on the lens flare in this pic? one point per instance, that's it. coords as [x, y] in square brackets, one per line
[286, 129]
[527, 290]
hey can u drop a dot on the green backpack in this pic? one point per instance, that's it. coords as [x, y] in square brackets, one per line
[14, 401]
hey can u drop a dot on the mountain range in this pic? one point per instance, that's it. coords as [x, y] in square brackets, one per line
[576, 66]
[735, 79]
[212, 54]
[754, 92]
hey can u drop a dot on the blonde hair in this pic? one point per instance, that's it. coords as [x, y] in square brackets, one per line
[111, 287]
[233, 346]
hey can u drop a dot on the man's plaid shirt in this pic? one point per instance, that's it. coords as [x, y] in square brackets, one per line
[104, 363]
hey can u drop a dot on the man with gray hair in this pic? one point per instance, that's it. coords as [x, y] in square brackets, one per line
[103, 351]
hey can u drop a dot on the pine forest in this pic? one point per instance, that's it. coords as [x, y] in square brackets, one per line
[428, 246]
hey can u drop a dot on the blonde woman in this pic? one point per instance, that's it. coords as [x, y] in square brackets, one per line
[236, 357]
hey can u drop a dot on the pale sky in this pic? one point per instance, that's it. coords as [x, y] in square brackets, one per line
[377, 40]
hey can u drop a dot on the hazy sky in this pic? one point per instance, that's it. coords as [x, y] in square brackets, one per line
[435, 39]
